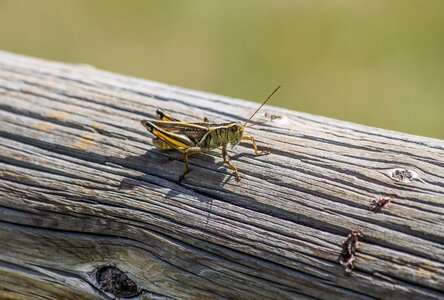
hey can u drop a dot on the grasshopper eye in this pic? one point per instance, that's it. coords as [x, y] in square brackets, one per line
[234, 128]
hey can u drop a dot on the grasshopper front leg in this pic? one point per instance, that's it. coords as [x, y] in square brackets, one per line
[257, 152]
[232, 167]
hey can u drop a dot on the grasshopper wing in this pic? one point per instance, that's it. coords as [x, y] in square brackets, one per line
[193, 131]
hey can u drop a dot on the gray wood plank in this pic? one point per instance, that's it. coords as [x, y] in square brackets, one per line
[82, 188]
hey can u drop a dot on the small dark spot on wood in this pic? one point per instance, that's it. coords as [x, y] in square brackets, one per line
[127, 184]
[114, 281]
[272, 117]
[349, 247]
[275, 118]
[378, 204]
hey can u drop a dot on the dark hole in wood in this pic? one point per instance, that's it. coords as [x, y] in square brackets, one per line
[114, 281]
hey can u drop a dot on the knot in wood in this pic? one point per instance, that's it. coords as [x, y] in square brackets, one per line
[112, 280]
[403, 175]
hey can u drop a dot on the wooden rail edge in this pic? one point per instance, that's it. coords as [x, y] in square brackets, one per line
[89, 209]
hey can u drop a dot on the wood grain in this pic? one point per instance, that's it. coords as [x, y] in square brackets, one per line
[82, 187]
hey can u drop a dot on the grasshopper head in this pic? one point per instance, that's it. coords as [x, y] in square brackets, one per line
[235, 133]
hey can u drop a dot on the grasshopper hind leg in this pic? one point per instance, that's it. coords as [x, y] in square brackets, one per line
[161, 144]
[165, 117]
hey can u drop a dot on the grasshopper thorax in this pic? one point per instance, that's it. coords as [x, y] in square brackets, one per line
[235, 133]
[219, 135]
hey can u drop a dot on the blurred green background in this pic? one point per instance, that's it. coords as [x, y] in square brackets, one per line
[379, 63]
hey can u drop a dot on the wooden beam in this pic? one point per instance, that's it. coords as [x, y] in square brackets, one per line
[90, 209]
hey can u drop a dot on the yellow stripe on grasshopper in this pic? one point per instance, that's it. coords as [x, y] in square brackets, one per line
[173, 142]
[176, 141]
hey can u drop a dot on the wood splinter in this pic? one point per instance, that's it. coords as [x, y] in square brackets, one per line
[349, 247]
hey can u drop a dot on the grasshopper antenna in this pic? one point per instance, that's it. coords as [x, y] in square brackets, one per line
[258, 123]
[275, 90]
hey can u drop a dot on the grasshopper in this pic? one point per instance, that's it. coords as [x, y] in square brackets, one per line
[194, 138]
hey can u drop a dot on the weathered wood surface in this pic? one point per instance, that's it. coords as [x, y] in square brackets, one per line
[81, 187]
